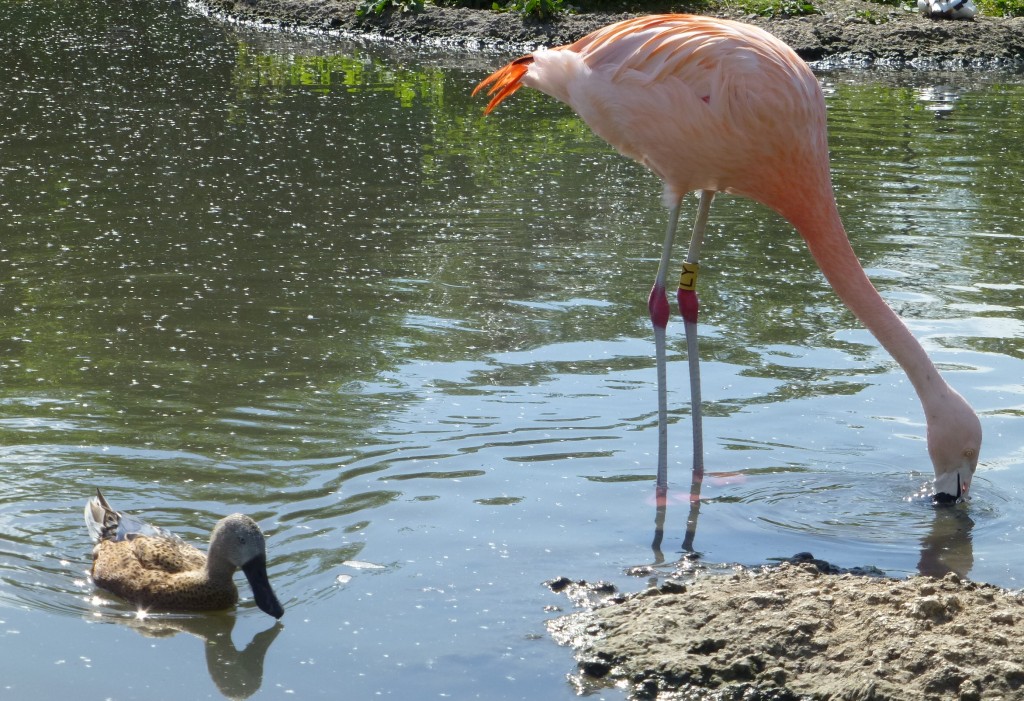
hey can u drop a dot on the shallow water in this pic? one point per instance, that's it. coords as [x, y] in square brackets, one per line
[303, 278]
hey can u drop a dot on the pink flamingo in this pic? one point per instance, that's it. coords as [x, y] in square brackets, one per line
[714, 105]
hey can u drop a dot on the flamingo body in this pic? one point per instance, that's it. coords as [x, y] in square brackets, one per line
[692, 99]
[714, 105]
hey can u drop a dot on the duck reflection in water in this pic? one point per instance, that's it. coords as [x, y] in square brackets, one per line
[237, 674]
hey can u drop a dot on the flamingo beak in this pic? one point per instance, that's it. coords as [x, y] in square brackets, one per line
[943, 490]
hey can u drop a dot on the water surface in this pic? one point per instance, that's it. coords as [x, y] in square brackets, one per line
[303, 278]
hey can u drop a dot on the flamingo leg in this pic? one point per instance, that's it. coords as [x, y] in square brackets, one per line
[657, 304]
[689, 307]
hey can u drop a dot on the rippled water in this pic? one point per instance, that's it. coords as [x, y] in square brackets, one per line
[303, 278]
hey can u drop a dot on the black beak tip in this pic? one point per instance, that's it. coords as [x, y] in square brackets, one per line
[948, 499]
[273, 607]
[256, 572]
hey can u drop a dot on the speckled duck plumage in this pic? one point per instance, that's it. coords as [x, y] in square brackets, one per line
[156, 569]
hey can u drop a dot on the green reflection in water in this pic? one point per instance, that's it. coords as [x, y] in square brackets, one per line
[269, 75]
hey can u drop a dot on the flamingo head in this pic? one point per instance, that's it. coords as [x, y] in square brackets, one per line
[954, 441]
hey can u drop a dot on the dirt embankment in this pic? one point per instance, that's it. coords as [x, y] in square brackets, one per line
[792, 633]
[846, 31]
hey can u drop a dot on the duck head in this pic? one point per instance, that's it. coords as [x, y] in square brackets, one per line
[238, 542]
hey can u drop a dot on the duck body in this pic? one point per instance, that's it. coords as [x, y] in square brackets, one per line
[154, 568]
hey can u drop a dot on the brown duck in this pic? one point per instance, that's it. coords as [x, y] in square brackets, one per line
[155, 569]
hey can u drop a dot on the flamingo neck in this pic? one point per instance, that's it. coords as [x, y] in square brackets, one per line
[954, 431]
[826, 238]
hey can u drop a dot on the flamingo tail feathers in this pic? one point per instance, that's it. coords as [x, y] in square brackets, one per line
[505, 81]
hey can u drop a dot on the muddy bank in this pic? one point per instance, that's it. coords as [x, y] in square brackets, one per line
[846, 31]
[793, 632]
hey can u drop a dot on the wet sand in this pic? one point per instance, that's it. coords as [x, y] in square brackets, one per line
[793, 632]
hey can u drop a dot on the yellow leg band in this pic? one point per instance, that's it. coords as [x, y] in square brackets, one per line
[688, 277]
